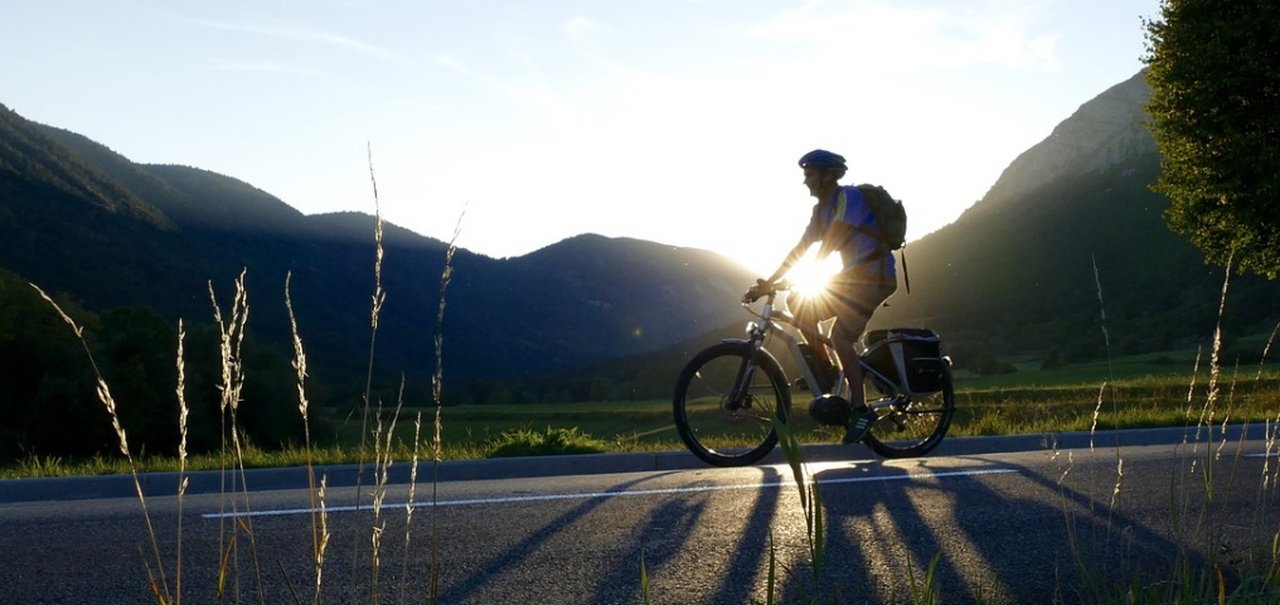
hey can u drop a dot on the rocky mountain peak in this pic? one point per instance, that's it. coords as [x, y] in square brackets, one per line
[1102, 133]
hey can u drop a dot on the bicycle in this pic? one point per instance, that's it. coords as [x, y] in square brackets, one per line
[728, 394]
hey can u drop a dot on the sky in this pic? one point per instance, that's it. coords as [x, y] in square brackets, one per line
[675, 121]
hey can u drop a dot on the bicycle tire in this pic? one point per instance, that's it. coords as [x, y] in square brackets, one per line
[914, 426]
[714, 426]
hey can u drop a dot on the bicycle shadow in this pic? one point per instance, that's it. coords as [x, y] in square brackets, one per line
[886, 523]
[477, 579]
[664, 542]
[661, 541]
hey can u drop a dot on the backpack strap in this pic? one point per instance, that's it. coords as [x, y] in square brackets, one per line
[906, 277]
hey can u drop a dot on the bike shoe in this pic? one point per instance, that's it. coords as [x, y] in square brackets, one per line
[859, 423]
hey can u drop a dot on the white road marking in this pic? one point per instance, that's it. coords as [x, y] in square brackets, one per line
[605, 494]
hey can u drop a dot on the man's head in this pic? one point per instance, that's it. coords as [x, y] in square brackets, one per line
[822, 171]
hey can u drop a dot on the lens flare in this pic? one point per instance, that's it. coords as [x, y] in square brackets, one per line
[810, 276]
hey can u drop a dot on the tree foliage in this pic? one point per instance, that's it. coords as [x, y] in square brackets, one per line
[1214, 72]
[48, 402]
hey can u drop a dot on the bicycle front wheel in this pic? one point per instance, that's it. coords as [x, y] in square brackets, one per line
[909, 426]
[725, 400]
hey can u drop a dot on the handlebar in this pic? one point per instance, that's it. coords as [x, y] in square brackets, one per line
[764, 288]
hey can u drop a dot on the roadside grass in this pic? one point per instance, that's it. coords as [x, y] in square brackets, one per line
[479, 431]
[1142, 367]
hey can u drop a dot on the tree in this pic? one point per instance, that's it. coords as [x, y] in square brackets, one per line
[1214, 72]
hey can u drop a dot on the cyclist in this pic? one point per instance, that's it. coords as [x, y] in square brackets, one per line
[842, 222]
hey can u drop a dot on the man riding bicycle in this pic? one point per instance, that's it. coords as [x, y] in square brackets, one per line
[843, 222]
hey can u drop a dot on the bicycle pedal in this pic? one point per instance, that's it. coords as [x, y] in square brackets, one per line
[830, 410]
[859, 427]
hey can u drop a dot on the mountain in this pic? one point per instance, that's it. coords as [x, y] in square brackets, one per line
[80, 219]
[1067, 254]
[1069, 232]
[1068, 241]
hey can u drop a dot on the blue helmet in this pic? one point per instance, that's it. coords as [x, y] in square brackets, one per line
[821, 158]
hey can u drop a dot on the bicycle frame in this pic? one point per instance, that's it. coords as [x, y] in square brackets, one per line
[752, 386]
[778, 322]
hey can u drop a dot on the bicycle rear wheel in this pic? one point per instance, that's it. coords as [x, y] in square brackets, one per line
[725, 400]
[911, 425]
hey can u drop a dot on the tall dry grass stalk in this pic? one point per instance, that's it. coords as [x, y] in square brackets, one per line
[1273, 425]
[1191, 389]
[437, 384]
[1272, 428]
[379, 297]
[319, 537]
[1111, 379]
[324, 536]
[408, 505]
[1215, 359]
[160, 584]
[182, 454]
[383, 453]
[375, 312]
[231, 345]
[1265, 350]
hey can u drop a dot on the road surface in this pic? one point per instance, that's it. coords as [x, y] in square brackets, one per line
[1026, 526]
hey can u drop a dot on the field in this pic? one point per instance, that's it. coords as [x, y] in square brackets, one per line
[1141, 391]
[1148, 391]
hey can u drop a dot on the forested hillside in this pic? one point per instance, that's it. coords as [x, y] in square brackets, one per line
[106, 234]
[1071, 231]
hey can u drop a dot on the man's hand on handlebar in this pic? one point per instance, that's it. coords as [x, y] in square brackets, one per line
[761, 288]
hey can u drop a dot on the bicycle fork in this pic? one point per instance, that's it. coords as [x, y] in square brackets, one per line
[740, 396]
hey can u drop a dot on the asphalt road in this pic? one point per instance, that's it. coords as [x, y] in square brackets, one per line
[1009, 521]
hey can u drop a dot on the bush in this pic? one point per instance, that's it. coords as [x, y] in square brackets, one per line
[528, 442]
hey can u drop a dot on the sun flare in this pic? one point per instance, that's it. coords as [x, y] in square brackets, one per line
[810, 275]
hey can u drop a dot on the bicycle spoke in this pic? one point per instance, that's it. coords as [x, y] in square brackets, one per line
[911, 426]
[725, 404]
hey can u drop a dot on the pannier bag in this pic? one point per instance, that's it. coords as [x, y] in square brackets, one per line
[910, 356]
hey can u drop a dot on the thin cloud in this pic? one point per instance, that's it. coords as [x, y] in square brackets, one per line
[308, 34]
[267, 67]
[539, 95]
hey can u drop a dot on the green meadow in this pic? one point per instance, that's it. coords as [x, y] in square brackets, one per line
[1136, 391]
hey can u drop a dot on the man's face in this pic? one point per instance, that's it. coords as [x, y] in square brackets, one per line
[816, 180]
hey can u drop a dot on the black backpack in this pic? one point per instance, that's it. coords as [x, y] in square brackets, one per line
[891, 217]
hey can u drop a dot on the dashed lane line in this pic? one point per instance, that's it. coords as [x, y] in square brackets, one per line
[605, 494]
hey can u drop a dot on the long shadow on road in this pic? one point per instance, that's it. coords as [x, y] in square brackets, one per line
[510, 558]
[666, 542]
[887, 522]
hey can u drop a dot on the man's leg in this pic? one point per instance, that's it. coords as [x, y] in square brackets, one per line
[807, 313]
[860, 417]
[860, 300]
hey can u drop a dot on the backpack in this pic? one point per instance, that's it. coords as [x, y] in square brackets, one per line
[890, 216]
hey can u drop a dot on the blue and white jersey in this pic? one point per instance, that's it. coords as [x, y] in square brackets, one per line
[861, 248]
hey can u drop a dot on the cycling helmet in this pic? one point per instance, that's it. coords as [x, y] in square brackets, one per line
[821, 158]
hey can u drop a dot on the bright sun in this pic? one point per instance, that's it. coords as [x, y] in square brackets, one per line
[810, 276]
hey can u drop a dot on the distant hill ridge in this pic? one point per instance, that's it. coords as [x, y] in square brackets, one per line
[1070, 221]
[81, 219]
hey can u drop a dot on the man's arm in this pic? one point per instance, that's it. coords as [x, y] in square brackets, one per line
[795, 255]
[835, 235]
